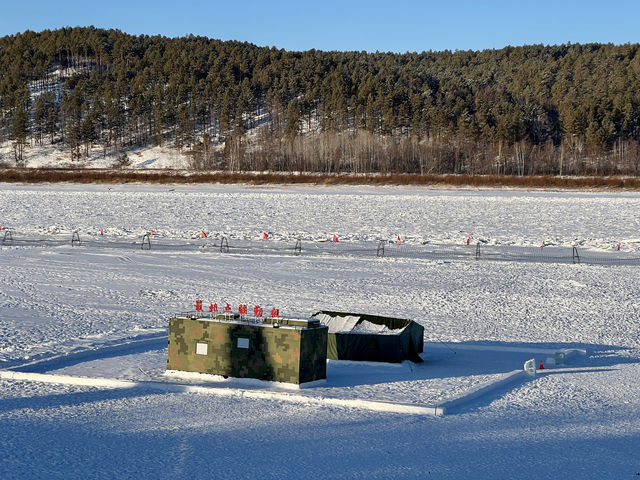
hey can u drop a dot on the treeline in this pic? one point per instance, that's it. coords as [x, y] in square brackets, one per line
[533, 110]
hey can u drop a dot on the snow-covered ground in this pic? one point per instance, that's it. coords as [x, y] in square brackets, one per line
[102, 313]
[502, 217]
[54, 156]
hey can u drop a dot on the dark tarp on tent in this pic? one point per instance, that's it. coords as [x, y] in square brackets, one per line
[356, 336]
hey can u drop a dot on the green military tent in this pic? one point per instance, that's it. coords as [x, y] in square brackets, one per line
[356, 336]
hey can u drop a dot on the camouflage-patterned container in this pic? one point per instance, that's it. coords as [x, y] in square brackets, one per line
[282, 353]
[297, 322]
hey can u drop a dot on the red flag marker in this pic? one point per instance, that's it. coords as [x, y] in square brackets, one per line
[399, 240]
[618, 243]
[265, 236]
[468, 240]
[101, 231]
[335, 237]
[153, 233]
[203, 234]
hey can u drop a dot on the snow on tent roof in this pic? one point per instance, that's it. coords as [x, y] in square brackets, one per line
[355, 324]
[354, 336]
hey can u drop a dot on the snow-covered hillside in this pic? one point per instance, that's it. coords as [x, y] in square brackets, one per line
[54, 156]
[101, 312]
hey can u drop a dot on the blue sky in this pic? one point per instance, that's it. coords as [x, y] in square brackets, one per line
[372, 25]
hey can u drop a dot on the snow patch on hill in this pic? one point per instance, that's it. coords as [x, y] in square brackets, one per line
[53, 156]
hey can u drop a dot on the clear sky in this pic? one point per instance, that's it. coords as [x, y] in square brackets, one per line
[370, 25]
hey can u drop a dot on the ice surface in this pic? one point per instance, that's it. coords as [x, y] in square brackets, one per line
[103, 312]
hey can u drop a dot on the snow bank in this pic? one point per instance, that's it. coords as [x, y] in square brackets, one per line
[376, 406]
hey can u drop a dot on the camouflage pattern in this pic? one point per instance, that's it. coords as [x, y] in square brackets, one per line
[282, 354]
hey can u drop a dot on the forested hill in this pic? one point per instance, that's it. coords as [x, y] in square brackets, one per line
[567, 109]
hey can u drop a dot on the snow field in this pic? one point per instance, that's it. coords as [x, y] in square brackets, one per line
[501, 217]
[579, 421]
